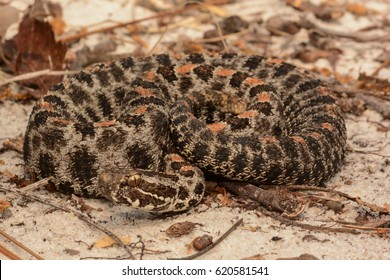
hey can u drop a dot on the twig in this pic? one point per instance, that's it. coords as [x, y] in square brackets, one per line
[305, 226]
[8, 253]
[357, 36]
[208, 248]
[37, 184]
[44, 72]
[357, 200]
[379, 230]
[17, 243]
[124, 24]
[80, 216]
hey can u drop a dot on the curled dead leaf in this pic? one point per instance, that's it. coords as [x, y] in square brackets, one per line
[201, 242]
[179, 229]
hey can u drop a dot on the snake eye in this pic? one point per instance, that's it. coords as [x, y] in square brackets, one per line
[135, 179]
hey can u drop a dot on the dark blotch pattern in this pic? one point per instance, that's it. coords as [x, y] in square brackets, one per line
[46, 165]
[127, 63]
[167, 72]
[59, 87]
[185, 84]
[117, 72]
[164, 59]
[204, 72]
[119, 94]
[41, 117]
[83, 165]
[308, 85]
[182, 194]
[291, 81]
[228, 55]
[237, 79]
[253, 62]
[84, 78]
[78, 95]
[115, 137]
[103, 78]
[56, 100]
[92, 114]
[283, 69]
[195, 58]
[259, 89]
[86, 130]
[138, 82]
[53, 139]
[105, 105]
[139, 156]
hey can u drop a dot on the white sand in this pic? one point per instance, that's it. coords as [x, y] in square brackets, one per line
[59, 235]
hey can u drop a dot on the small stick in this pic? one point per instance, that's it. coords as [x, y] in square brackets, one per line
[17, 243]
[8, 253]
[211, 246]
[35, 74]
[357, 200]
[37, 184]
[305, 226]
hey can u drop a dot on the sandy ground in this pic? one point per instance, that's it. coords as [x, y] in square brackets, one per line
[56, 234]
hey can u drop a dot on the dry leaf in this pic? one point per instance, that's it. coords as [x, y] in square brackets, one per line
[4, 205]
[108, 241]
[201, 242]
[35, 48]
[179, 229]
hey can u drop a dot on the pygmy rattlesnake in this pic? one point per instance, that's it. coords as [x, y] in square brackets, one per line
[143, 131]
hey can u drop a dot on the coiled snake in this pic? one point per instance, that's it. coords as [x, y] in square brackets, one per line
[143, 131]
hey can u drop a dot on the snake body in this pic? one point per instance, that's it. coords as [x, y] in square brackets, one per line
[144, 131]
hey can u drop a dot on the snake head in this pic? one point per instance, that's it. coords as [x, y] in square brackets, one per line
[150, 191]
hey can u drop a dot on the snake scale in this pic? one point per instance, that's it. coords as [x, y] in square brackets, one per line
[145, 131]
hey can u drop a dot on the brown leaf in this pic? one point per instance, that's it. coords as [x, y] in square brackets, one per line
[179, 229]
[35, 48]
[201, 242]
